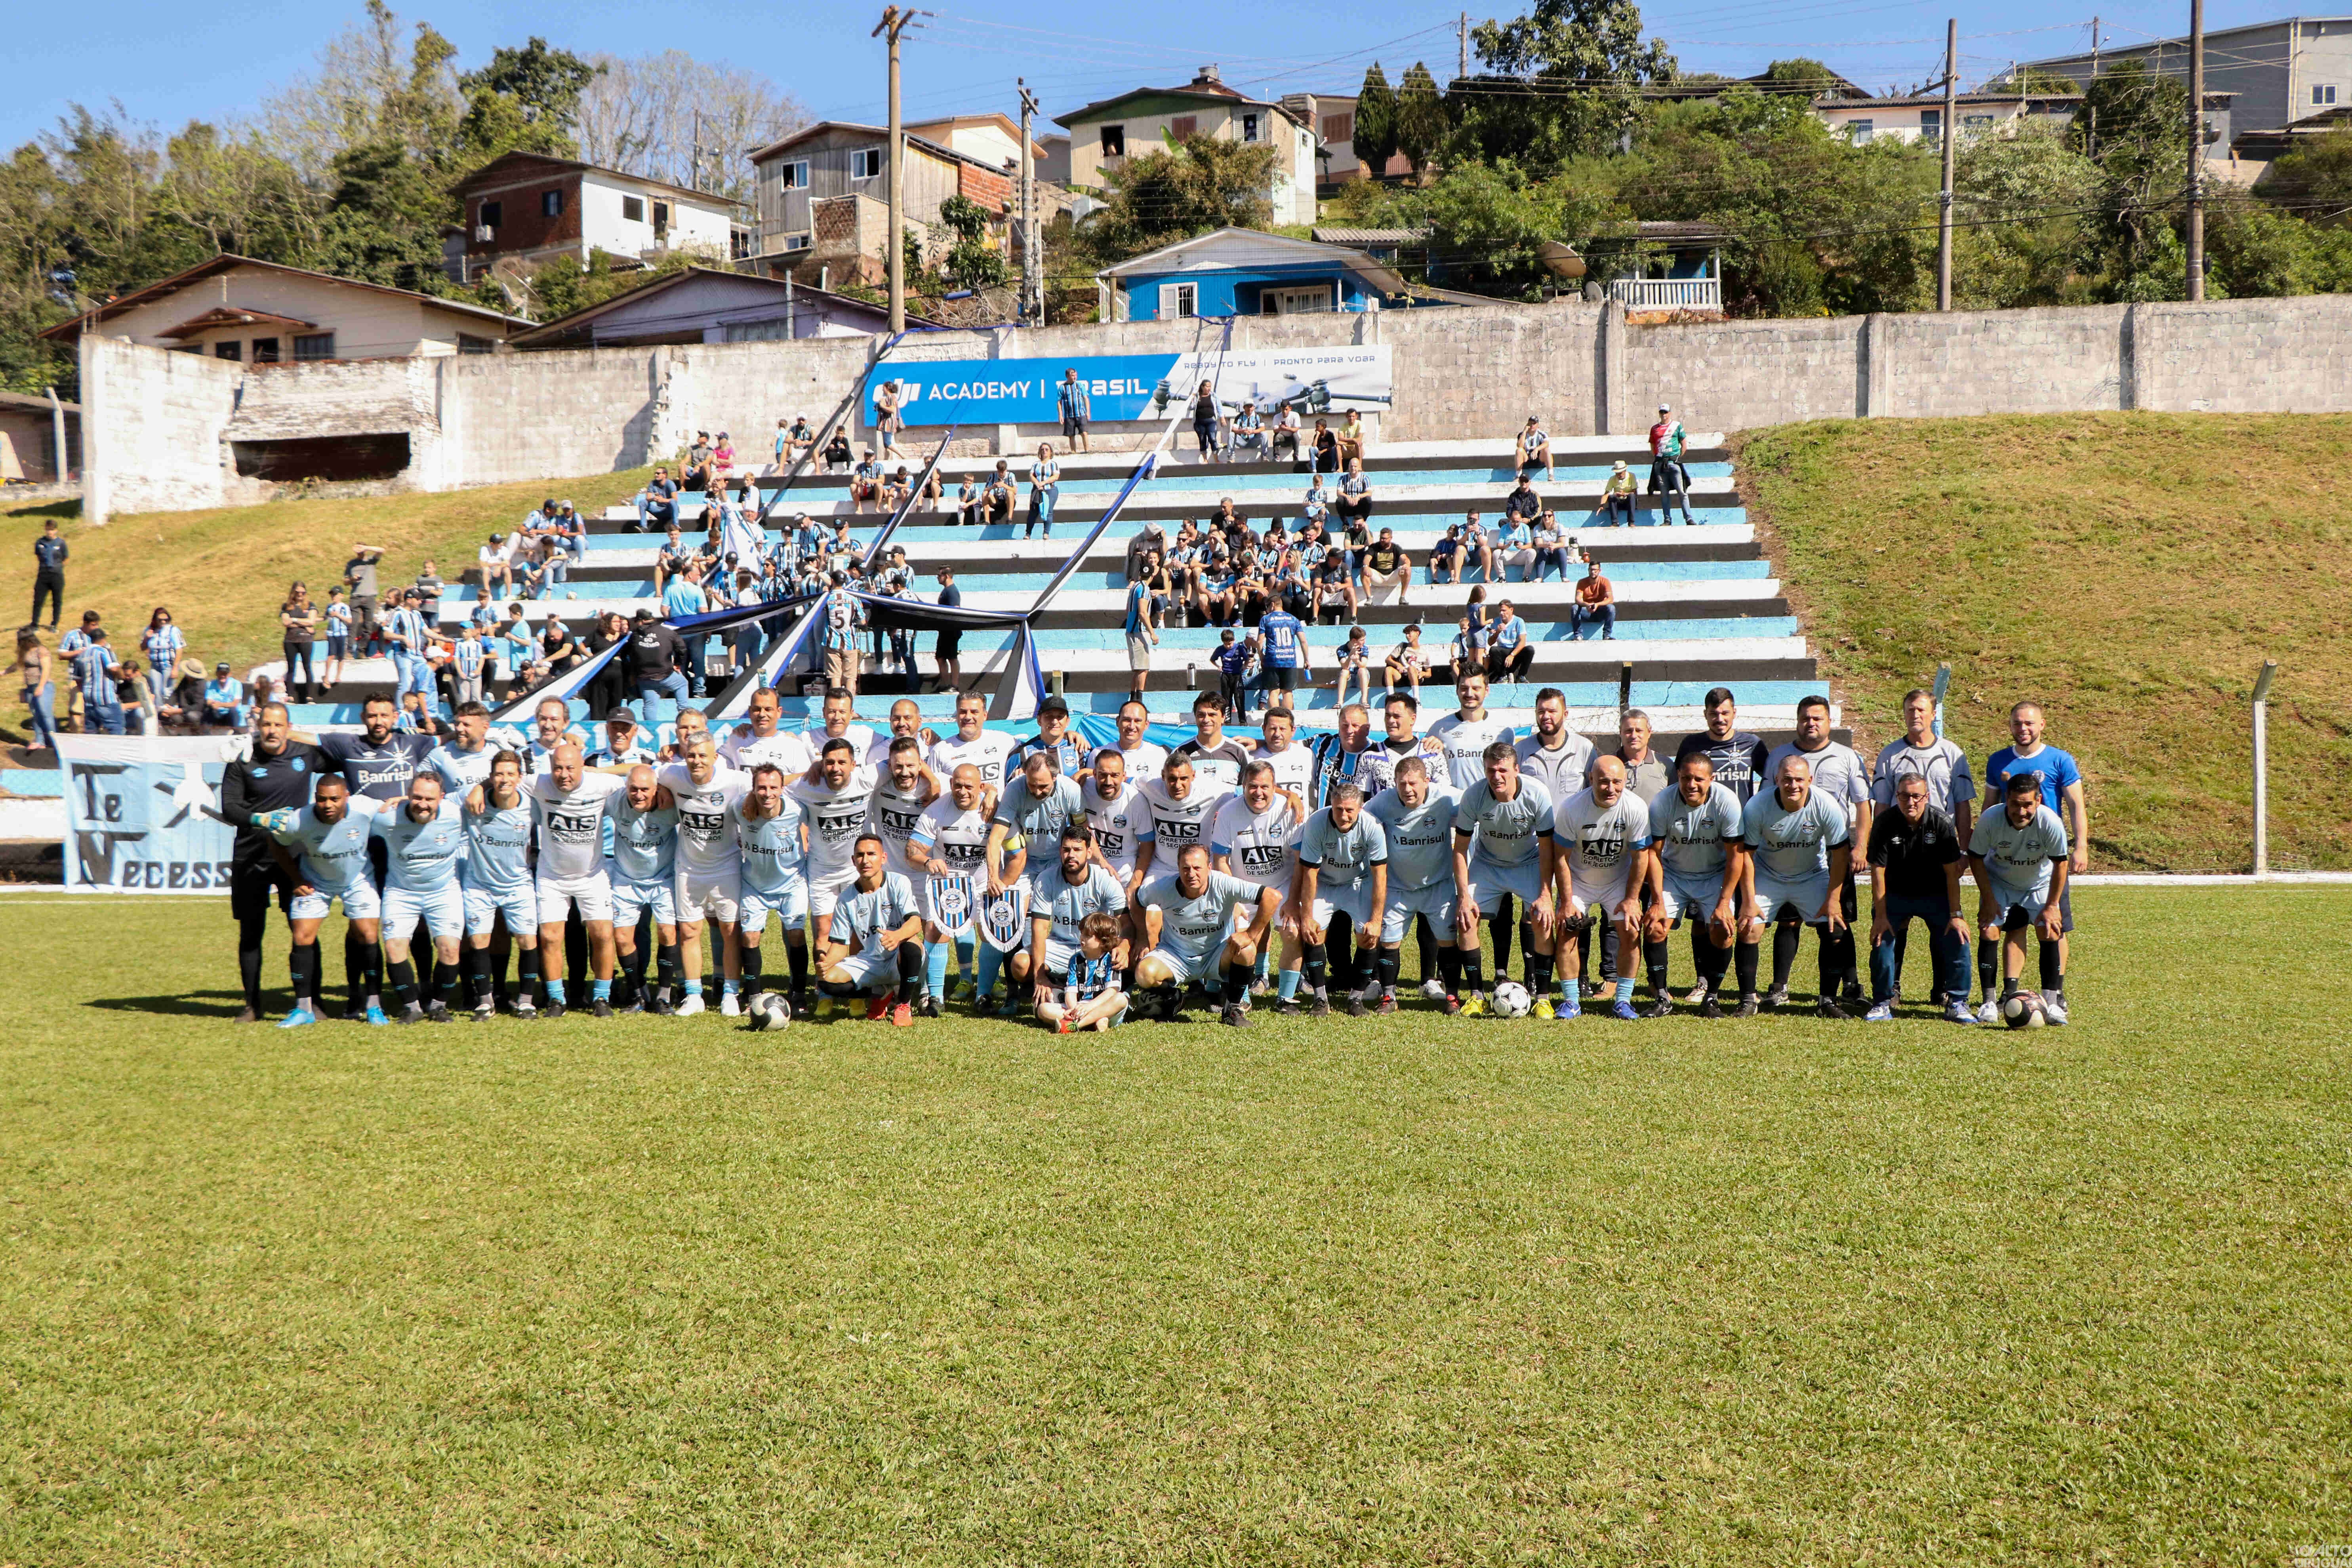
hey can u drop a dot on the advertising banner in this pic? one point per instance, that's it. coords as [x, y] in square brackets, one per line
[138, 813]
[1134, 386]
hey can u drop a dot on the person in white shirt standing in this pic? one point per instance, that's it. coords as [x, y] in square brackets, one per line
[762, 740]
[1293, 763]
[1838, 774]
[570, 803]
[1256, 832]
[950, 849]
[1554, 756]
[709, 863]
[1466, 732]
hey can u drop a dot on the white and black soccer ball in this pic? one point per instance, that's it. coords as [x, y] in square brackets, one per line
[2022, 1010]
[770, 1011]
[1511, 1000]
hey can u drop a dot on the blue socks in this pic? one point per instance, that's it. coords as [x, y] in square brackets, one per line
[601, 990]
[555, 988]
[694, 988]
[935, 969]
[1288, 983]
[990, 961]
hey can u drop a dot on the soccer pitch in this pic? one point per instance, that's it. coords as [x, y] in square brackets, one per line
[1401, 1290]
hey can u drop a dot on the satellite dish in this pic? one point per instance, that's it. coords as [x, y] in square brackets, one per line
[1560, 258]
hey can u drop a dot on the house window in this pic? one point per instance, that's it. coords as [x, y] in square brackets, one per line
[313, 345]
[865, 162]
[796, 242]
[1183, 128]
[1858, 131]
[1976, 122]
[1114, 140]
[633, 209]
[1931, 126]
[231, 352]
[1339, 126]
[2322, 94]
[661, 219]
[265, 350]
[1249, 127]
[468, 343]
[795, 174]
[1188, 300]
[493, 214]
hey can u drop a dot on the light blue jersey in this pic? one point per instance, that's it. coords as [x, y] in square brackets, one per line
[421, 856]
[1691, 839]
[859, 916]
[1195, 928]
[644, 843]
[461, 770]
[1068, 904]
[1419, 842]
[1042, 819]
[774, 855]
[1505, 832]
[1793, 845]
[1343, 856]
[498, 846]
[334, 854]
[2019, 856]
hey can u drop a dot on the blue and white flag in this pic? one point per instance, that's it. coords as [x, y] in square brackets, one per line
[952, 903]
[1004, 918]
[141, 813]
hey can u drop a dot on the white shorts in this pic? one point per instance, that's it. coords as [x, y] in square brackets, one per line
[1489, 882]
[1692, 895]
[519, 904]
[790, 902]
[873, 969]
[1182, 967]
[442, 910]
[2007, 903]
[1809, 896]
[1435, 900]
[593, 894]
[1598, 897]
[825, 892]
[1058, 955]
[360, 902]
[1355, 902]
[1245, 913]
[658, 895]
[713, 895]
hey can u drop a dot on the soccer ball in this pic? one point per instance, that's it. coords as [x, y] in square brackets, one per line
[2022, 1011]
[1511, 1000]
[772, 1012]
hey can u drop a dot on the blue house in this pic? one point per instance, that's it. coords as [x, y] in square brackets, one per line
[1242, 272]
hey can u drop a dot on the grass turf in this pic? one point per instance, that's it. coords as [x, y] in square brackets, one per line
[1405, 1289]
[2130, 571]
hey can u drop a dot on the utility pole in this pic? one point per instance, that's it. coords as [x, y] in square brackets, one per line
[694, 174]
[894, 22]
[1462, 33]
[1032, 264]
[2196, 149]
[1951, 136]
[2091, 137]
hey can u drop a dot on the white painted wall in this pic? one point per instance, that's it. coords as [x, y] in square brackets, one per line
[692, 224]
[367, 323]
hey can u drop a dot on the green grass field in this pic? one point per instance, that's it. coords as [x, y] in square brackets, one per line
[1411, 1291]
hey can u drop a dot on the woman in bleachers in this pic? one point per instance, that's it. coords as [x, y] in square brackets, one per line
[888, 422]
[1045, 490]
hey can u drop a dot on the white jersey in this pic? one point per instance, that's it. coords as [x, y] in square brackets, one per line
[837, 817]
[1294, 768]
[877, 755]
[1601, 841]
[746, 751]
[1143, 762]
[1257, 845]
[1838, 774]
[1118, 823]
[893, 816]
[1178, 825]
[705, 829]
[955, 840]
[1465, 741]
[570, 823]
[1562, 771]
[859, 736]
[987, 753]
[1943, 765]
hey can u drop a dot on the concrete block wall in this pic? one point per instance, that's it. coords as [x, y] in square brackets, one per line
[1730, 375]
[513, 417]
[2049, 361]
[2244, 356]
[151, 427]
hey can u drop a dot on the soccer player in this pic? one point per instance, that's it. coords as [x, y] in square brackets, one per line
[1951, 789]
[1189, 926]
[903, 787]
[1737, 756]
[422, 836]
[551, 728]
[1253, 838]
[625, 743]
[1054, 734]
[1120, 820]
[1183, 813]
[1090, 997]
[2021, 862]
[1503, 849]
[1799, 849]
[1377, 772]
[1339, 754]
[644, 882]
[1293, 763]
[279, 775]
[1033, 810]
[1466, 734]
[1647, 774]
[1340, 892]
[570, 802]
[1599, 833]
[1288, 659]
[837, 722]
[987, 751]
[771, 836]
[872, 939]
[2061, 790]
[463, 759]
[1071, 888]
[377, 763]
[906, 724]
[330, 864]
[1217, 757]
[1838, 775]
[1693, 866]
[1418, 825]
[1915, 871]
[1144, 759]
[709, 877]
[950, 847]
[839, 794]
[1554, 756]
[495, 885]
[761, 740]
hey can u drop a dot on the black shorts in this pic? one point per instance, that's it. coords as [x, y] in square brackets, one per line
[250, 887]
[1279, 678]
[948, 644]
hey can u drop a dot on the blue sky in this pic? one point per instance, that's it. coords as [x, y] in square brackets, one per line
[167, 60]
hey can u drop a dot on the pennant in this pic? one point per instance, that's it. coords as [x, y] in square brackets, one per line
[950, 902]
[1004, 918]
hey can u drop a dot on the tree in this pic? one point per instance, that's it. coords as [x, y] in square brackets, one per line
[559, 287]
[1376, 127]
[640, 116]
[1563, 80]
[2142, 151]
[1420, 120]
[2020, 238]
[972, 262]
[525, 99]
[2314, 181]
[1808, 78]
[1160, 198]
[2032, 78]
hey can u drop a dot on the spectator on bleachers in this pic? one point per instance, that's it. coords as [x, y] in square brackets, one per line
[468, 668]
[1535, 449]
[297, 629]
[968, 502]
[1617, 496]
[359, 574]
[998, 497]
[1077, 408]
[1468, 649]
[837, 452]
[1352, 438]
[1514, 547]
[1550, 548]
[1407, 665]
[865, 481]
[162, 643]
[947, 648]
[429, 587]
[722, 461]
[1206, 421]
[223, 703]
[37, 667]
[1668, 477]
[1510, 654]
[1596, 604]
[1477, 549]
[1386, 566]
[840, 616]
[180, 710]
[1446, 555]
[497, 567]
[337, 624]
[528, 564]
[897, 490]
[887, 421]
[1324, 449]
[609, 687]
[1045, 490]
[557, 649]
[674, 556]
[1286, 432]
[1148, 541]
[654, 657]
[1355, 502]
[697, 475]
[1523, 502]
[1335, 590]
[1249, 431]
[1355, 664]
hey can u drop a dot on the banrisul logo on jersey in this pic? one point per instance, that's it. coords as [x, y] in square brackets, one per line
[1312, 382]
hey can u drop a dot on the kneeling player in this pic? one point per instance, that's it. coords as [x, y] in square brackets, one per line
[1090, 997]
[873, 938]
[1693, 868]
[1419, 827]
[1800, 855]
[1503, 849]
[2018, 856]
[1189, 922]
[1342, 886]
[1600, 834]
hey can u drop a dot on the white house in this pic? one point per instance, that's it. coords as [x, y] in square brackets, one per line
[1104, 134]
[529, 207]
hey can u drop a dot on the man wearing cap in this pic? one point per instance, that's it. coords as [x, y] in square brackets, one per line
[1617, 494]
[223, 701]
[655, 654]
[1534, 448]
[1667, 476]
[497, 559]
[625, 742]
